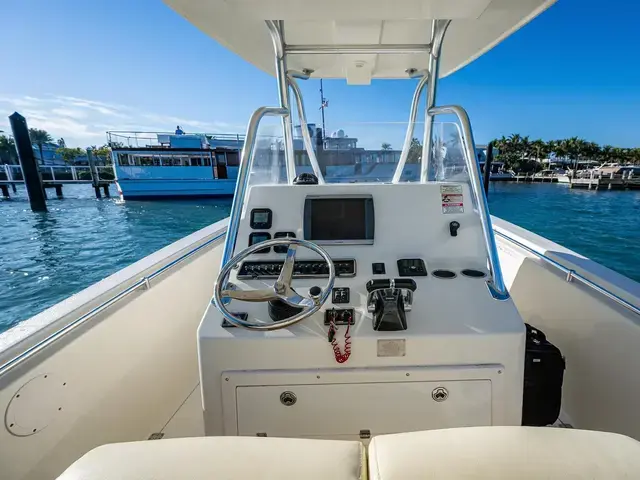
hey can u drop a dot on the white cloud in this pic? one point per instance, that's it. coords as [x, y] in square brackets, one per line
[83, 122]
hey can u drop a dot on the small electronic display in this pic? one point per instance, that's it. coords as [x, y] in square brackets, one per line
[258, 237]
[339, 220]
[261, 218]
[282, 248]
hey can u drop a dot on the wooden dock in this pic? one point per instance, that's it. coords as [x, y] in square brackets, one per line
[536, 178]
[596, 181]
[56, 176]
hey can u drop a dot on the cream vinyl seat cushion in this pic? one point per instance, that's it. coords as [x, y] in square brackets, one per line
[504, 453]
[219, 458]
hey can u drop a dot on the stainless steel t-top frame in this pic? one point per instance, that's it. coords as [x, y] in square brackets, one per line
[429, 77]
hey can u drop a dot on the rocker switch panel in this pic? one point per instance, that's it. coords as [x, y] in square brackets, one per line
[412, 267]
[340, 295]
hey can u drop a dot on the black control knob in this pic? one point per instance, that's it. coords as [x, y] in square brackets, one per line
[315, 291]
[453, 228]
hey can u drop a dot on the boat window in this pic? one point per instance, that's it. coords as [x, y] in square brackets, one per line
[144, 161]
[233, 159]
[123, 159]
[221, 158]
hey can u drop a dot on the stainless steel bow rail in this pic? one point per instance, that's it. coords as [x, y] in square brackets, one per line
[143, 283]
[572, 275]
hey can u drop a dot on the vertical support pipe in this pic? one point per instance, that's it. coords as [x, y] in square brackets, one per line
[486, 175]
[306, 138]
[410, 128]
[438, 29]
[496, 283]
[276, 28]
[246, 160]
[31, 173]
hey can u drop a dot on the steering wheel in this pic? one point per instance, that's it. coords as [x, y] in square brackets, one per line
[281, 290]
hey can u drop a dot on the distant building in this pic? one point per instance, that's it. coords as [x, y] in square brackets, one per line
[339, 141]
[50, 157]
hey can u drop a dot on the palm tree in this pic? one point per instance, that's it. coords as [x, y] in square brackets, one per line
[7, 150]
[386, 146]
[415, 151]
[540, 149]
[39, 137]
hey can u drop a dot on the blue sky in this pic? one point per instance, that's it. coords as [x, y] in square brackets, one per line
[79, 68]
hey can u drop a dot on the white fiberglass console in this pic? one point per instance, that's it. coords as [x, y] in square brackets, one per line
[455, 358]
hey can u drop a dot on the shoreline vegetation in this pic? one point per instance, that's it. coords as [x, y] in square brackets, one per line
[521, 154]
[40, 139]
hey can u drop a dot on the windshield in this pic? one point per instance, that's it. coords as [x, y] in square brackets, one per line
[360, 153]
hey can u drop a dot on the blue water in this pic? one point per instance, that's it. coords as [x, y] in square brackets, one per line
[45, 257]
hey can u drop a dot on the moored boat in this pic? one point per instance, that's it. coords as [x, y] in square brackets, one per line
[163, 165]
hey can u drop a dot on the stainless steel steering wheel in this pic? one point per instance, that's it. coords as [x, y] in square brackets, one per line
[281, 290]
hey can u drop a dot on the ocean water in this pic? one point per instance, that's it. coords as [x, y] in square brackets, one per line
[45, 257]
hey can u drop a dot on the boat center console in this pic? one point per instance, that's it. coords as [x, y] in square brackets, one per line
[409, 336]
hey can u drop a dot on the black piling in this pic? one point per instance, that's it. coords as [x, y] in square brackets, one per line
[105, 187]
[59, 190]
[13, 187]
[32, 177]
[5, 190]
[95, 181]
[486, 175]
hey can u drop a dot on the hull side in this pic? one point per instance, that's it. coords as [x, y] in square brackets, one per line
[598, 336]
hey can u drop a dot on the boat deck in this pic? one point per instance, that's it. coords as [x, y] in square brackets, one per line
[187, 420]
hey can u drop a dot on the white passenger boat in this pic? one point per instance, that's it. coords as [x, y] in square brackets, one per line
[164, 165]
[387, 340]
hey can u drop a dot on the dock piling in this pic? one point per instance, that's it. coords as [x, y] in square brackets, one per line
[5, 190]
[32, 177]
[59, 191]
[487, 168]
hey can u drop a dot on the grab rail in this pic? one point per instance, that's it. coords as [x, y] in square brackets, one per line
[496, 284]
[243, 176]
[573, 275]
[57, 335]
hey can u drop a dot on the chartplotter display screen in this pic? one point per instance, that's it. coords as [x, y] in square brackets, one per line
[330, 220]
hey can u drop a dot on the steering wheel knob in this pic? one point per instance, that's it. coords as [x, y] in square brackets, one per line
[315, 292]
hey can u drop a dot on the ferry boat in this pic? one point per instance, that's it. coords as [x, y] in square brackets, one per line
[382, 330]
[164, 165]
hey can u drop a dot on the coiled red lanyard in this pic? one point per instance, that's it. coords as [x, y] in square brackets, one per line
[340, 356]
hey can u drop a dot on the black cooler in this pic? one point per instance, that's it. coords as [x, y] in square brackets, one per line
[543, 374]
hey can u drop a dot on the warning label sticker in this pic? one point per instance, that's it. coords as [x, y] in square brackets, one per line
[452, 200]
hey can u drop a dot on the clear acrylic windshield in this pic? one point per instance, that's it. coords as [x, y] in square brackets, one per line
[360, 153]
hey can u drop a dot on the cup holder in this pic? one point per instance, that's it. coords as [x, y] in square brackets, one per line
[470, 272]
[446, 274]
